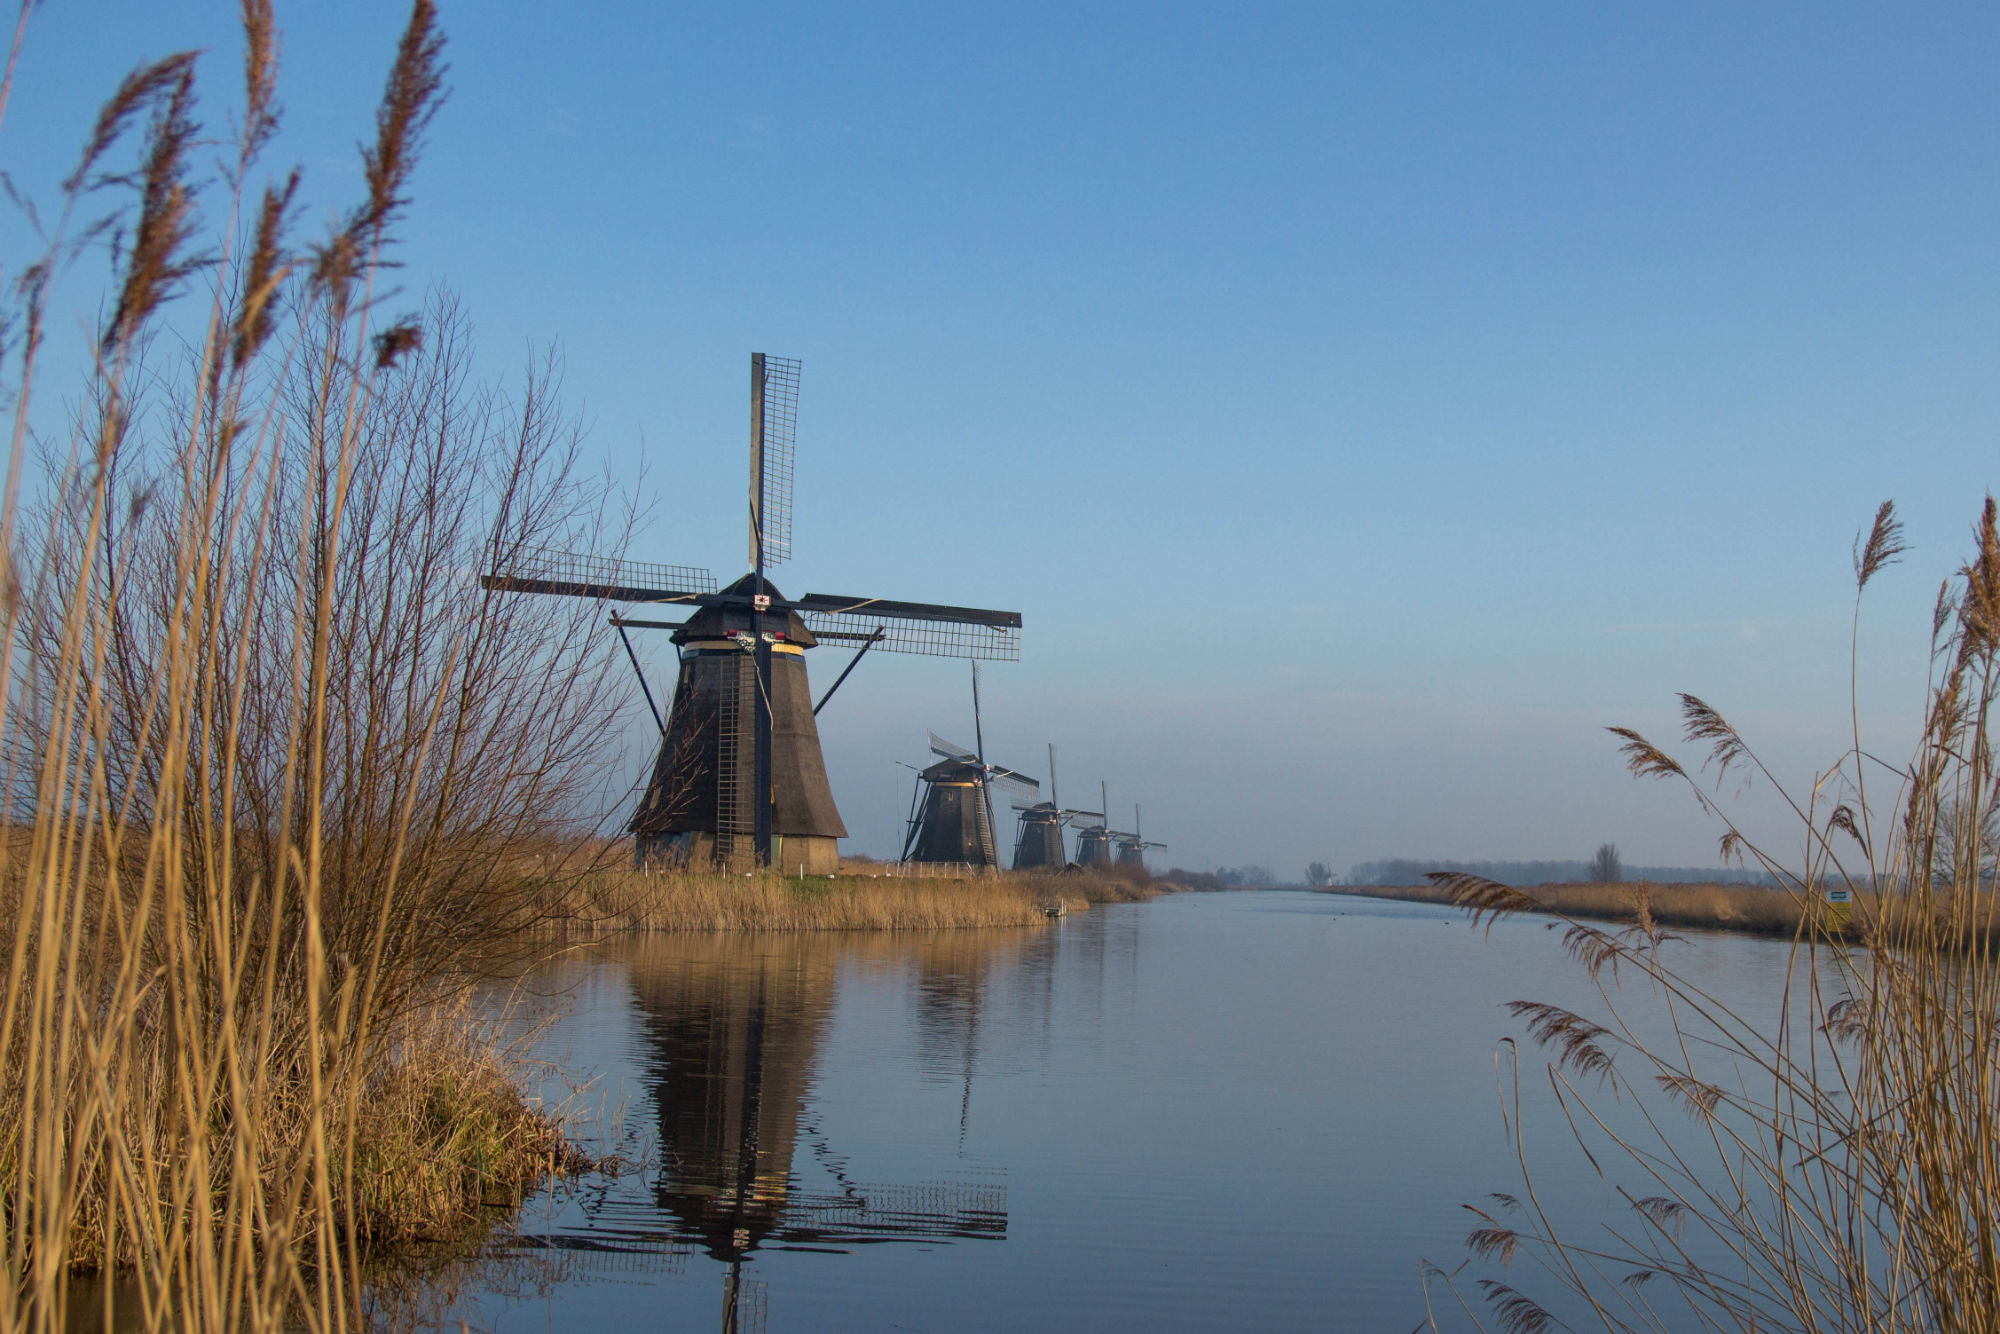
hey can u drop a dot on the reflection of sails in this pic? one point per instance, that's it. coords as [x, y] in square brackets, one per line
[734, 1026]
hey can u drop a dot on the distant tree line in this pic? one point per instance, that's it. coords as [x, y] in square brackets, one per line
[1228, 877]
[1411, 871]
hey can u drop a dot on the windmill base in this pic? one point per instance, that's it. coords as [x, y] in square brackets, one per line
[791, 854]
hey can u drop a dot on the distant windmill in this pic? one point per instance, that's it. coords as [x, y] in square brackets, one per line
[740, 779]
[951, 816]
[1093, 843]
[1132, 847]
[1038, 842]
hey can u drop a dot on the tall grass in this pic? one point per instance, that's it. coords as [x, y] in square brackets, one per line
[1714, 907]
[1834, 1165]
[873, 900]
[265, 752]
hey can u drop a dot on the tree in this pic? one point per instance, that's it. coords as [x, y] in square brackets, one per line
[1318, 874]
[1956, 827]
[1605, 868]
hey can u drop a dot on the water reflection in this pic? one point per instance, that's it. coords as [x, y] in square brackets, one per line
[728, 1041]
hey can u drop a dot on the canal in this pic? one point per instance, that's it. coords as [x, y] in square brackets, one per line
[1251, 1111]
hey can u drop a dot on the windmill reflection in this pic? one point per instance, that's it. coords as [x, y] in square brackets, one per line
[733, 1028]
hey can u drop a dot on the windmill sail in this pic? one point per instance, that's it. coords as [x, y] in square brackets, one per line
[951, 750]
[604, 578]
[774, 418]
[914, 627]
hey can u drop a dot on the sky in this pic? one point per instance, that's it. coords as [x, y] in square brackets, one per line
[1364, 404]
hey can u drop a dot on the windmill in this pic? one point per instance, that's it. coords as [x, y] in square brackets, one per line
[740, 780]
[951, 811]
[1038, 841]
[1132, 847]
[1093, 842]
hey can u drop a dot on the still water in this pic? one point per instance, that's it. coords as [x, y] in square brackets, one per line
[1252, 1111]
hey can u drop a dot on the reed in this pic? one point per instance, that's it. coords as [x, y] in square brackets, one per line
[1752, 909]
[267, 762]
[864, 897]
[696, 901]
[1835, 1164]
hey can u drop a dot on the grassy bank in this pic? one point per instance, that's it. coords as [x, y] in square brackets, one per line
[445, 1135]
[1702, 907]
[864, 897]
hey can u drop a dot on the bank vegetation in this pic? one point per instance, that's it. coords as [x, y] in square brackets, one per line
[1762, 911]
[864, 896]
[268, 755]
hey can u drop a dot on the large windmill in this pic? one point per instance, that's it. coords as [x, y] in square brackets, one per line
[740, 779]
[1132, 847]
[951, 812]
[1038, 841]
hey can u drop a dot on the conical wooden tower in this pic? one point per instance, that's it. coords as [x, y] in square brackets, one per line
[1040, 842]
[700, 789]
[955, 824]
[1093, 847]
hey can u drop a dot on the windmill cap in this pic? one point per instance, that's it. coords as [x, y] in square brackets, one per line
[953, 771]
[718, 622]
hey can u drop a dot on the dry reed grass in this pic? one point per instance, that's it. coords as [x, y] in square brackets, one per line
[267, 761]
[1690, 907]
[695, 901]
[874, 899]
[1832, 1166]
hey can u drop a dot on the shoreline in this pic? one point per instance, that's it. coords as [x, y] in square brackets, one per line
[1745, 909]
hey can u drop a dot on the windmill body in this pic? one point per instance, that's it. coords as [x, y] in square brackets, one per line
[953, 817]
[953, 825]
[1093, 847]
[1038, 843]
[740, 781]
[698, 785]
[1132, 848]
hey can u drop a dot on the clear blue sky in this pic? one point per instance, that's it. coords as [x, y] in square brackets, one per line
[1364, 404]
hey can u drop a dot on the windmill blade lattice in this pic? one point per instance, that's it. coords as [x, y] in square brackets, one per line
[1015, 784]
[774, 436]
[951, 750]
[604, 578]
[937, 639]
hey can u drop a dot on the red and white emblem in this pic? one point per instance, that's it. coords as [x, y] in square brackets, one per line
[761, 601]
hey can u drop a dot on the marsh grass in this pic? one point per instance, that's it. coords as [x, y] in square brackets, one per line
[1686, 906]
[269, 763]
[1833, 1165]
[864, 897]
